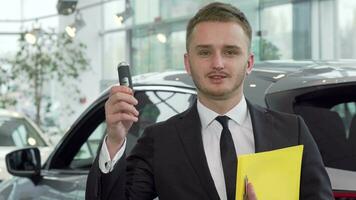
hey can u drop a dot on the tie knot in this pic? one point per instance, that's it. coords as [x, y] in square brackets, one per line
[223, 120]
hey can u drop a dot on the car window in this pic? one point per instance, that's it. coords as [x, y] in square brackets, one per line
[18, 132]
[347, 112]
[156, 106]
[331, 130]
[153, 106]
[89, 148]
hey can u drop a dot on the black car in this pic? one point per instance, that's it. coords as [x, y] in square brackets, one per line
[321, 92]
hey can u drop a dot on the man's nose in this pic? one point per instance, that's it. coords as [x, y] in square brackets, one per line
[217, 62]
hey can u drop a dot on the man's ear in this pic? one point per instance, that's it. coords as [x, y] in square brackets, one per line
[187, 63]
[250, 63]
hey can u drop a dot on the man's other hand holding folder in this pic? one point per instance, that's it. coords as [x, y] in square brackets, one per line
[249, 193]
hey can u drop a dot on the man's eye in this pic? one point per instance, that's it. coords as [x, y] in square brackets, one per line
[230, 52]
[203, 53]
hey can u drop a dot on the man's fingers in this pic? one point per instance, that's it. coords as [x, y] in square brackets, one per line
[116, 97]
[118, 117]
[120, 88]
[251, 192]
[123, 107]
[120, 102]
[121, 111]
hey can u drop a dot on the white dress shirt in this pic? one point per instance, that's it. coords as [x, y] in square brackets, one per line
[240, 127]
[241, 130]
[106, 165]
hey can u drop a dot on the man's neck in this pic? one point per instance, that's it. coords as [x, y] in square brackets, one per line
[221, 106]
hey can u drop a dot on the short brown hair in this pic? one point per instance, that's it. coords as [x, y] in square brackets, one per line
[219, 12]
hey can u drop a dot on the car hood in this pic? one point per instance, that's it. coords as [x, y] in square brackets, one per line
[6, 150]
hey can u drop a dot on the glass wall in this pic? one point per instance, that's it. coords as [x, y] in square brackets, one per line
[158, 39]
[153, 36]
[8, 44]
[109, 16]
[276, 32]
[347, 29]
[13, 21]
[8, 38]
[114, 53]
[149, 54]
[145, 11]
[158, 46]
[282, 29]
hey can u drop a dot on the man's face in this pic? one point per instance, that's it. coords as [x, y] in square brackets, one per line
[218, 59]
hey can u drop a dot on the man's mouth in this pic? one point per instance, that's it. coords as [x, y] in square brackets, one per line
[217, 77]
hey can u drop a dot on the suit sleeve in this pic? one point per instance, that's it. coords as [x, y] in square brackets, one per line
[131, 179]
[102, 186]
[315, 182]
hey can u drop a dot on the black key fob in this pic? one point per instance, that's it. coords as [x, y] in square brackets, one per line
[123, 70]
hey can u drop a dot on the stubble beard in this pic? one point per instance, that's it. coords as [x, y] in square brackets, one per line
[222, 94]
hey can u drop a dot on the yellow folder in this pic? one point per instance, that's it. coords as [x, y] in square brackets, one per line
[275, 175]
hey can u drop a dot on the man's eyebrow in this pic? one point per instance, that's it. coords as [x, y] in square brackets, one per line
[202, 46]
[232, 47]
[205, 46]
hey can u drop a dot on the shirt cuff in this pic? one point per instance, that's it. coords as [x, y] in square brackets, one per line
[106, 165]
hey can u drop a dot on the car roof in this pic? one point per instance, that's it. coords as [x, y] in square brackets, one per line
[177, 78]
[17, 115]
[9, 113]
[308, 73]
[169, 78]
[279, 75]
[288, 75]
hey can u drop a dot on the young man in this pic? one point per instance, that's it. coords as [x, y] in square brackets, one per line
[193, 154]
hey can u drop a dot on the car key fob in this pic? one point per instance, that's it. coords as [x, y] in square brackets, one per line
[123, 70]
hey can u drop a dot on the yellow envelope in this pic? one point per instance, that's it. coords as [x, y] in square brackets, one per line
[275, 175]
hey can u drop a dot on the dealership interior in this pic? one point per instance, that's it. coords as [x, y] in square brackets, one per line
[59, 57]
[150, 35]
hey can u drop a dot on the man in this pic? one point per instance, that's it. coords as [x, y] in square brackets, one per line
[193, 154]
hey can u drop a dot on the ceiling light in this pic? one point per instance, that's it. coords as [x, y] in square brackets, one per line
[66, 7]
[32, 36]
[161, 38]
[121, 17]
[73, 28]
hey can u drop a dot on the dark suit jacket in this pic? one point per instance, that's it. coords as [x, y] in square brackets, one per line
[168, 161]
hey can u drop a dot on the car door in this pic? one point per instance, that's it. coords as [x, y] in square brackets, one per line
[65, 172]
[329, 111]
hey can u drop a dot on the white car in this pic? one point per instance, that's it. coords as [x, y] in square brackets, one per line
[18, 131]
[325, 88]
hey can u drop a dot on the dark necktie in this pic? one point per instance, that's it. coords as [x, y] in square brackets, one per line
[228, 158]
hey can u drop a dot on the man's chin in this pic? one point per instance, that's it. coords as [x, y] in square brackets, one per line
[218, 95]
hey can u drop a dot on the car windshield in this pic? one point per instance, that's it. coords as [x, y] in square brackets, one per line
[18, 132]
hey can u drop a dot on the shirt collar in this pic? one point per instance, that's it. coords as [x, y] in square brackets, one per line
[238, 113]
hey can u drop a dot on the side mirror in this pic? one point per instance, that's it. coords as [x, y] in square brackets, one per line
[25, 163]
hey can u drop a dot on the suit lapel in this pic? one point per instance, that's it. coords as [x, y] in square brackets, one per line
[262, 126]
[189, 128]
[266, 135]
